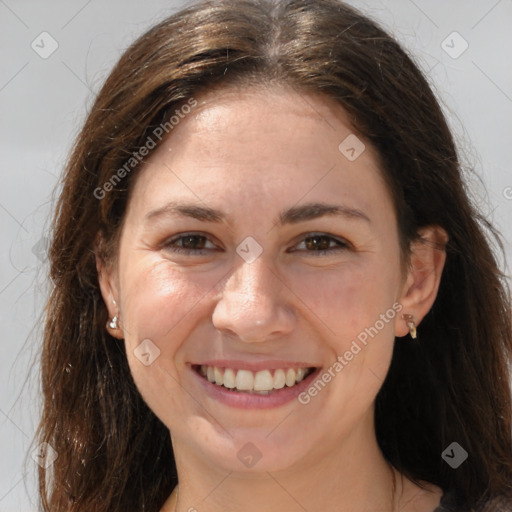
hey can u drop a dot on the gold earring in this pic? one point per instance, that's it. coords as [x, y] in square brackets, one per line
[412, 326]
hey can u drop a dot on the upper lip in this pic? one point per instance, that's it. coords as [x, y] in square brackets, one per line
[255, 366]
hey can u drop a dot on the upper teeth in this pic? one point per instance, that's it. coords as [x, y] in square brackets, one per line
[246, 380]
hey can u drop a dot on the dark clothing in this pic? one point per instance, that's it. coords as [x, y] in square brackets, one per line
[498, 504]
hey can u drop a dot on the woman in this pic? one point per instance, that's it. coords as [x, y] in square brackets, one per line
[271, 291]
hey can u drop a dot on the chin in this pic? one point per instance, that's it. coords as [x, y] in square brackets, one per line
[253, 453]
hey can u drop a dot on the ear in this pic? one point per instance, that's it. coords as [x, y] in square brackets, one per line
[109, 287]
[427, 259]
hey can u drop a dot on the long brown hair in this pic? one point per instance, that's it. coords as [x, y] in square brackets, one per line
[113, 452]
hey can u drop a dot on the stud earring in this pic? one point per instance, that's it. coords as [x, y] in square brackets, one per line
[113, 323]
[412, 326]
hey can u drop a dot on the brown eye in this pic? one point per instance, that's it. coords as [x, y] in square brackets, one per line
[321, 244]
[318, 242]
[189, 243]
[193, 242]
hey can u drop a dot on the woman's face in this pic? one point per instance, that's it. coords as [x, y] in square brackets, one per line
[229, 256]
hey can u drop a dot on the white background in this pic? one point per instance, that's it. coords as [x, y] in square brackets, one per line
[43, 102]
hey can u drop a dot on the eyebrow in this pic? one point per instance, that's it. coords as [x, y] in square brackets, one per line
[292, 215]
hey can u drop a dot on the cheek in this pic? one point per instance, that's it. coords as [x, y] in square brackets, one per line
[346, 305]
[158, 303]
[348, 299]
[157, 299]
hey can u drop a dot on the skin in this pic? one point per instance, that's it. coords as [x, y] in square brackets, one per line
[252, 153]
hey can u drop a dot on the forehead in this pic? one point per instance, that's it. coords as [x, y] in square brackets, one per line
[262, 145]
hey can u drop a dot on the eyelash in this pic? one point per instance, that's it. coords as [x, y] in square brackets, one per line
[342, 245]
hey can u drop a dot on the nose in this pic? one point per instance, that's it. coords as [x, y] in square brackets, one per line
[254, 305]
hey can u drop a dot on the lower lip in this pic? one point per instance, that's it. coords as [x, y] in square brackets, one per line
[244, 400]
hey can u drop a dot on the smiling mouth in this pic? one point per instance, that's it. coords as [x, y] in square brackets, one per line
[263, 382]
